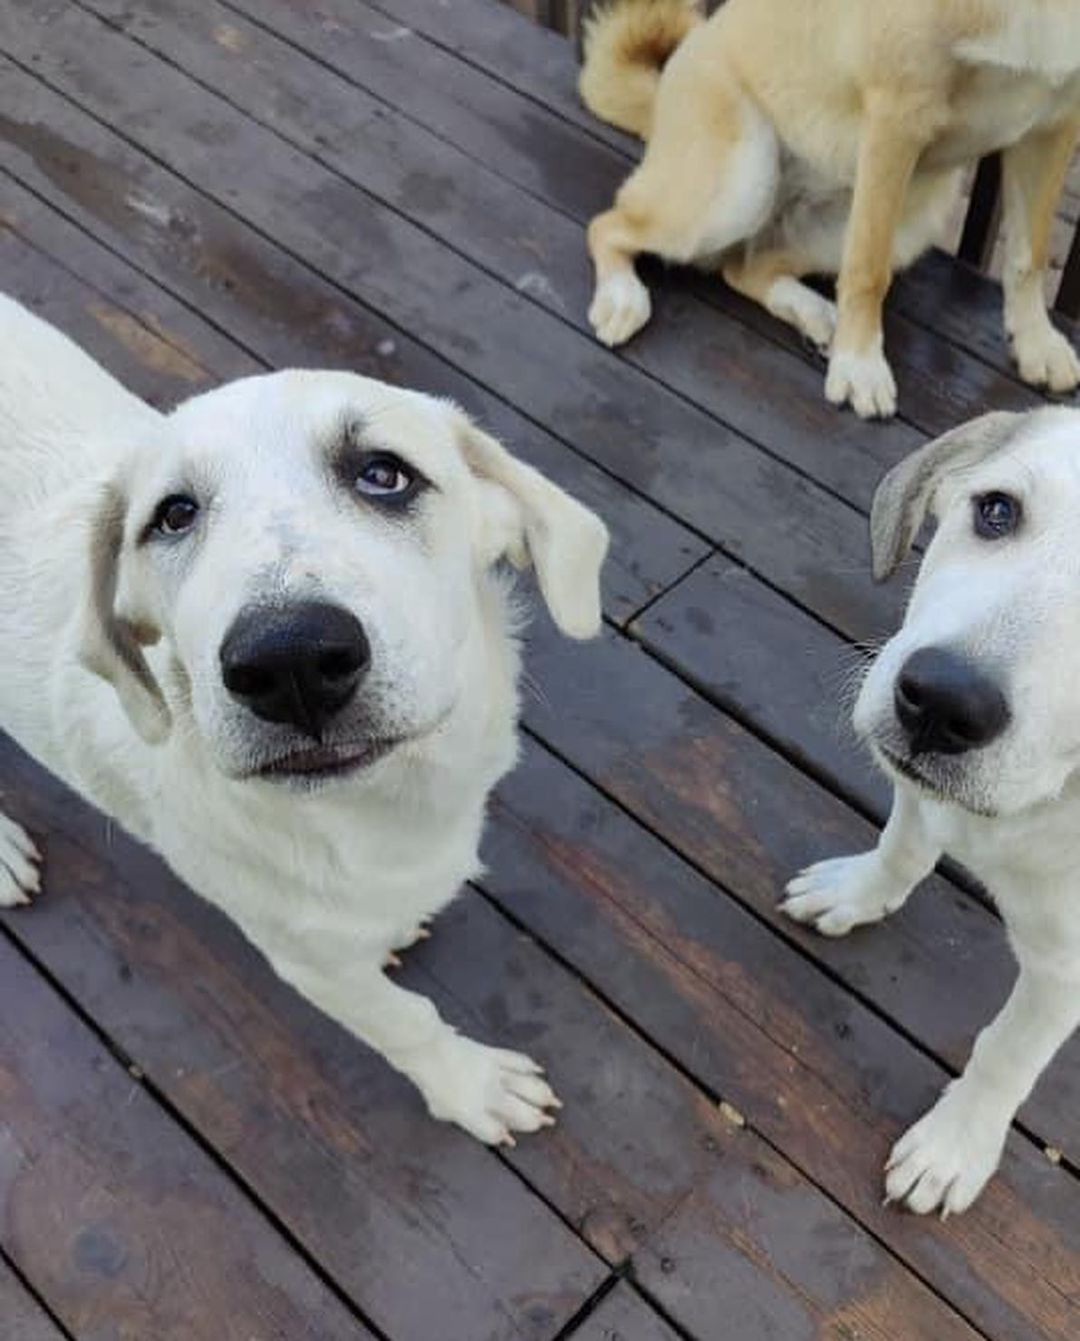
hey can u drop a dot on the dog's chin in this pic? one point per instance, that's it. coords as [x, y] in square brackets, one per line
[942, 782]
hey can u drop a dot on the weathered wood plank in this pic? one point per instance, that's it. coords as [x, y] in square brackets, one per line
[746, 382]
[770, 665]
[285, 315]
[957, 302]
[121, 1221]
[536, 61]
[748, 820]
[339, 1147]
[937, 387]
[624, 1316]
[811, 1070]
[132, 350]
[24, 1320]
[334, 1142]
[504, 130]
[782, 524]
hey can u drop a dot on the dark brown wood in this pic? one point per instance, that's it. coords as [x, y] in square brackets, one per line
[125, 1226]
[624, 1316]
[336, 1144]
[24, 1320]
[340, 1147]
[746, 382]
[749, 821]
[811, 1070]
[285, 315]
[783, 525]
[392, 213]
[537, 64]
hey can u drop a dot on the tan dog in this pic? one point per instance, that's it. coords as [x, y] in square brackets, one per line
[796, 137]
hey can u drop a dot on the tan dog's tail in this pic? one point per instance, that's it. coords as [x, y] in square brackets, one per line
[627, 43]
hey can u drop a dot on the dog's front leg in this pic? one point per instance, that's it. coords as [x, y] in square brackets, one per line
[948, 1156]
[846, 892]
[892, 138]
[490, 1092]
[1033, 173]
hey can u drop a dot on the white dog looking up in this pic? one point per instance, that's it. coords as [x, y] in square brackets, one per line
[288, 663]
[973, 709]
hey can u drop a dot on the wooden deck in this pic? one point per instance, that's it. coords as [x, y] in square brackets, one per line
[188, 1151]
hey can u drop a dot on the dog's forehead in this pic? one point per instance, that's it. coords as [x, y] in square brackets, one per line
[279, 417]
[1043, 455]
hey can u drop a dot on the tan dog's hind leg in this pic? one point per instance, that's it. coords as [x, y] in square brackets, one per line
[889, 147]
[1034, 175]
[701, 189]
[773, 279]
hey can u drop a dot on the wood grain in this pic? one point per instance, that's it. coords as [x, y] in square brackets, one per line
[779, 522]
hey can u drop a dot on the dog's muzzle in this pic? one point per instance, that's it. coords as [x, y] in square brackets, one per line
[947, 705]
[299, 665]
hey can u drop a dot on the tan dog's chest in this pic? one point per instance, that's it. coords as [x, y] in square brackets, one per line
[993, 106]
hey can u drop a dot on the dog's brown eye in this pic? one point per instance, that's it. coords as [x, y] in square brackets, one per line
[383, 475]
[175, 515]
[996, 515]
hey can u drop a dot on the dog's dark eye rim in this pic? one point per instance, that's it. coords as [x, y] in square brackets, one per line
[997, 514]
[175, 515]
[382, 477]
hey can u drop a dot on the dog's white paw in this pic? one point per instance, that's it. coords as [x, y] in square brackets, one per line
[842, 893]
[812, 314]
[405, 940]
[620, 307]
[1046, 358]
[946, 1159]
[20, 878]
[863, 381]
[489, 1091]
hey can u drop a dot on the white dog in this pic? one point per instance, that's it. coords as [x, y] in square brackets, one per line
[973, 709]
[268, 635]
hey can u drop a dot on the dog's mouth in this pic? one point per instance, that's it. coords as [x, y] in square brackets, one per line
[937, 789]
[906, 768]
[320, 762]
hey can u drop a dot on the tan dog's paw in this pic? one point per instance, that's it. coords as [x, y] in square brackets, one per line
[1046, 358]
[490, 1092]
[812, 315]
[19, 874]
[863, 381]
[620, 307]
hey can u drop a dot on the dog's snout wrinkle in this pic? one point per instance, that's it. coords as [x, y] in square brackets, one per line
[946, 704]
[298, 665]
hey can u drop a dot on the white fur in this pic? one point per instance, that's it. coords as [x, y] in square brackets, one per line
[1009, 811]
[863, 380]
[620, 308]
[326, 879]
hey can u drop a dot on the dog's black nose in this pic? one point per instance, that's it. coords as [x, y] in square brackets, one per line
[298, 664]
[946, 705]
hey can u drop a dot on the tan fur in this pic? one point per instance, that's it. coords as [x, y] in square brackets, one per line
[626, 47]
[788, 137]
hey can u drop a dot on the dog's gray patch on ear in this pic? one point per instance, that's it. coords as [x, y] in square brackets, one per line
[108, 645]
[903, 497]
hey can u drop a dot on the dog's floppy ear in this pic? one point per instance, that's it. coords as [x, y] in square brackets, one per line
[537, 522]
[109, 645]
[905, 496]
